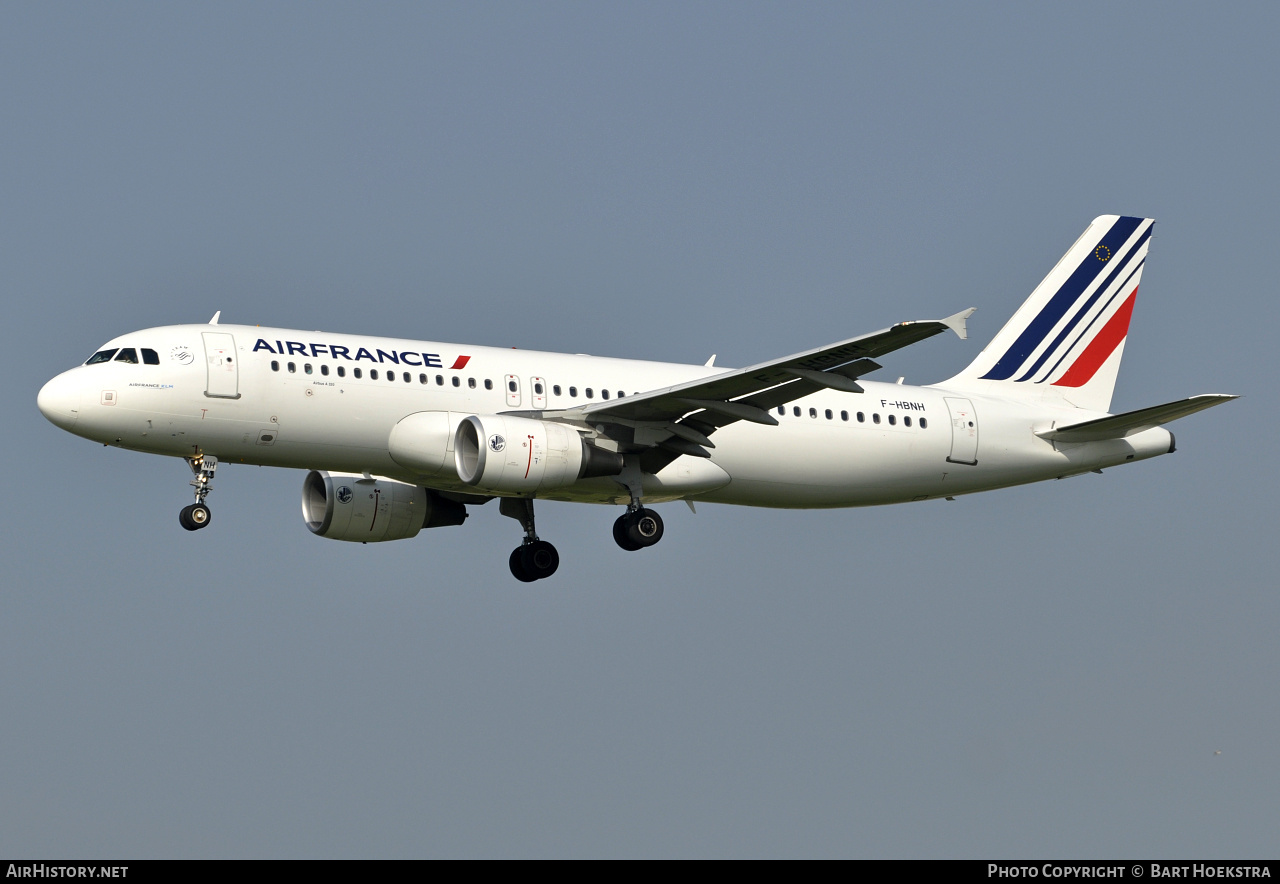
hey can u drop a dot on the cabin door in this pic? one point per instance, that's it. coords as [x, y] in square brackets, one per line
[223, 366]
[964, 431]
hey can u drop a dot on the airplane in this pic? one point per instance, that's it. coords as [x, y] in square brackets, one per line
[401, 435]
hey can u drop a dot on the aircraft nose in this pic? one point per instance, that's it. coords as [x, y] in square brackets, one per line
[59, 401]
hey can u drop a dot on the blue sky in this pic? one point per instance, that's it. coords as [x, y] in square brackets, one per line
[1039, 672]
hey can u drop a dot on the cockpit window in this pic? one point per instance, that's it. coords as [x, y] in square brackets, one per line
[101, 356]
[129, 355]
[150, 357]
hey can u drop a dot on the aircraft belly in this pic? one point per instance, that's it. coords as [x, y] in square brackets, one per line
[817, 465]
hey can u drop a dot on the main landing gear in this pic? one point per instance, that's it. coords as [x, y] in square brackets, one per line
[533, 559]
[197, 515]
[637, 528]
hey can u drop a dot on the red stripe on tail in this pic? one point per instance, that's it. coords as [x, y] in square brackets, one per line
[1100, 348]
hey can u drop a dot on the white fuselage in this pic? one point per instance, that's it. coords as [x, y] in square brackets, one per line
[215, 392]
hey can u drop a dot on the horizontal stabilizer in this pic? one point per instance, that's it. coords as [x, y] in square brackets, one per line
[1117, 426]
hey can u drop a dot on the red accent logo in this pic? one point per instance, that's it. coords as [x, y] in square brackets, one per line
[460, 363]
[1102, 346]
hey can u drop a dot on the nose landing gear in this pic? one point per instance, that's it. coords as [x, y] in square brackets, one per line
[197, 515]
[194, 516]
[534, 559]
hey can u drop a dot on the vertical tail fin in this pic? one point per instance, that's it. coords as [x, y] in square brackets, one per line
[1065, 342]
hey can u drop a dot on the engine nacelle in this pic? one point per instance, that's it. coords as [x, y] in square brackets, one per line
[340, 506]
[500, 453]
[423, 442]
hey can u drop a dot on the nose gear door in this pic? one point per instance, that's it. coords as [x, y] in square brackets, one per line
[221, 361]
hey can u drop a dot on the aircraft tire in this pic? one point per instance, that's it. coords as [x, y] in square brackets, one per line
[516, 562]
[644, 528]
[620, 535]
[194, 517]
[539, 559]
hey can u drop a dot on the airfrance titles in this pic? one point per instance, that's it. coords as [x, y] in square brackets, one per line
[338, 351]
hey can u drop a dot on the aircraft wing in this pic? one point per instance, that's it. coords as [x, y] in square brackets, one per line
[680, 419]
[1117, 426]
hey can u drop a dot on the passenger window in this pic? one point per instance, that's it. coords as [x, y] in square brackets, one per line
[129, 355]
[555, 389]
[422, 378]
[391, 376]
[604, 394]
[342, 372]
[457, 382]
[537, 388]
[439, 380]
[101, 356]
[875, 418]
[828, 414]
[782, 409]
[813, 412]
[621, 394]
[150, 357]
[307, 368]
[924, 424]
[862, 418]
[406, 377]
[373, 374]
[471, 382]
[795, 409]
[844, 415]
[357, 372]
[324, 370]
[275, 366]
[589, 393]
[488, 384]
[573, 391]
[893, 420]
[511, 385]
[293, 369]
[906, 421]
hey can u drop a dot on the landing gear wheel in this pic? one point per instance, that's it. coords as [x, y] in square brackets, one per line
[620, 533]
[517, 566]
[645, 528]
[194, 517]
[539, 559]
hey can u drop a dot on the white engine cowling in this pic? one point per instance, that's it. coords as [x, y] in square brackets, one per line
[423, 442]
[341, 506]
[501, 453]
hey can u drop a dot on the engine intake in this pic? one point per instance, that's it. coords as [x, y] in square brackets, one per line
[340, 506]
[501, 453]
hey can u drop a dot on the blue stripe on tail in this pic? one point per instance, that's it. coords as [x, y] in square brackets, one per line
[1089, 270]
[1118, 266]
